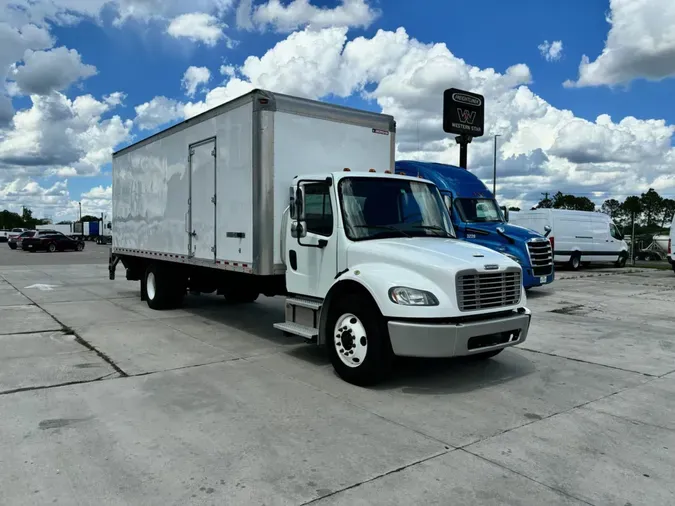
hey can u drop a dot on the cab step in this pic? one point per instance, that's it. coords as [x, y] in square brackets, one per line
[297, 329]
[305, 302]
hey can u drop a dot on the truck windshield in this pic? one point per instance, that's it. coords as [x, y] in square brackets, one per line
[375, 208]
[479, 210]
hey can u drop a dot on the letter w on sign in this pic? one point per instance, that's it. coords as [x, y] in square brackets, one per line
[466, 116]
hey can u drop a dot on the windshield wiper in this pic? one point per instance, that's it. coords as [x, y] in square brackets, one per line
[437, 229]
[384, 227]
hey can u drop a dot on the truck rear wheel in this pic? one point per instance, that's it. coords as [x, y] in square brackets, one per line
[358, 341]
[161, 289]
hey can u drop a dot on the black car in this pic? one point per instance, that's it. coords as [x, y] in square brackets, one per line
[55, 241]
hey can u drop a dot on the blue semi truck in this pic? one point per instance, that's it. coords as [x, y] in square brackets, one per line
[477, 218]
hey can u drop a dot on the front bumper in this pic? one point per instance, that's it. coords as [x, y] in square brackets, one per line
[456, 340]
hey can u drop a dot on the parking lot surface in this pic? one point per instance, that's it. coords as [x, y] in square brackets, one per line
[105, 401]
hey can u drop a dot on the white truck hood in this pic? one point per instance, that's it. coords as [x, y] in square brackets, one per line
[434, 253]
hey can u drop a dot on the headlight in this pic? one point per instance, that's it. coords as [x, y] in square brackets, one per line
[514, 258]
[411, 297]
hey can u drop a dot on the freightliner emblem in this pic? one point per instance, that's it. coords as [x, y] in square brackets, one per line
[491, 267]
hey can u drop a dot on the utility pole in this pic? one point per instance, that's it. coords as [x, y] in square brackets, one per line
[494, 170]
[80, 204]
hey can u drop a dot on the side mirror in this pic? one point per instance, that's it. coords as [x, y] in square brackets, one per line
[547, 229]
[300, 204]
[505, 212]
[291, 203]
[298, 230]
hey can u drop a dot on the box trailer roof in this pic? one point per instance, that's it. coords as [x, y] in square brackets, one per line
[270, 101]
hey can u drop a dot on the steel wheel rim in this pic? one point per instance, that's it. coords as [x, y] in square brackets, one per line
[576, 262]
[350, 340]
[150, 287]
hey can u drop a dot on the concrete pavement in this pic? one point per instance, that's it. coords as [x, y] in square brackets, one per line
[107, 402]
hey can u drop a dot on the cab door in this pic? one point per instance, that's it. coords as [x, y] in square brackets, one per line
[311, 257]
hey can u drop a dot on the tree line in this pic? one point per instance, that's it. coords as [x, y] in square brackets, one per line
[10, 220]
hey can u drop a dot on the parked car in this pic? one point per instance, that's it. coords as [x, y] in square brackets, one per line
[51, 242]
[577, 237]
[17, 235]
[4, 235]
[14, 234]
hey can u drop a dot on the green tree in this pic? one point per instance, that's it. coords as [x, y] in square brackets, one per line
[571, 202]
[668, 211]
[652, 205]
[514, 208]
[612, 207]
[10, 220]
[89, 217]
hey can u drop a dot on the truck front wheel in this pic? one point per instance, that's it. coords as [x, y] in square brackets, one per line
[358, 341]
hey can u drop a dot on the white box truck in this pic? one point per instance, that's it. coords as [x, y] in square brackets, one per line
[577, 237]
[282, 196]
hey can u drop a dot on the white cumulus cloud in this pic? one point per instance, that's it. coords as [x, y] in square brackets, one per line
[298, 13]
[199, 27]
[195, 77]
[551, 51]
[640, 44]
[53, 70]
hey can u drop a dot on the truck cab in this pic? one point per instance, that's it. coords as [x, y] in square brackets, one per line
[374, 269]
[478, 219]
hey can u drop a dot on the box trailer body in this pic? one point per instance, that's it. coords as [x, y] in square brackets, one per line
[277, 195]
[577, 237]
[213, 190]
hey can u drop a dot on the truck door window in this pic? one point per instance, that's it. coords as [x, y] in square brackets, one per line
[318, 210]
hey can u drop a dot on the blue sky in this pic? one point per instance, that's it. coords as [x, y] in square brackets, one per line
[141, 59]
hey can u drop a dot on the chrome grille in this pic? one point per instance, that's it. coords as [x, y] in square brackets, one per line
[541, 257]
[488, 290]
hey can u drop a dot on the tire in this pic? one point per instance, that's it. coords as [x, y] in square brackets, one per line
[161, 289]
[621, 262]
[79, 246]
[575, 261]
[486, 355]
[51, 248]
[361, 362]
[12, 245]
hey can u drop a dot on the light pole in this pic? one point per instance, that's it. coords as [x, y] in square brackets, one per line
[494, 169]
[80, 204]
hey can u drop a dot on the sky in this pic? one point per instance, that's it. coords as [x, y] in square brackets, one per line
[579, 92]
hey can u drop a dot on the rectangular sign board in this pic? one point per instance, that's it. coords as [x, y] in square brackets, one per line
[463, 112]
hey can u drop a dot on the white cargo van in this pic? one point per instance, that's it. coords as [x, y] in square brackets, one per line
[577, 236]
[253, 197]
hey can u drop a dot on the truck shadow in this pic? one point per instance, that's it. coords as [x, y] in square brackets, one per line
[411, 375]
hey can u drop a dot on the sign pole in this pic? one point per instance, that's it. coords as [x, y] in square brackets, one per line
[463, 141]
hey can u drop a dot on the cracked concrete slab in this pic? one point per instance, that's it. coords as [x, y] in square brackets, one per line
[456, 477]
[140, 347]
[459, 401]
[9, 296]
[46, 359]
[594, 456]
[231, 433]
[652, 403]
[25, 318]
[633, 347]
[90, 312]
